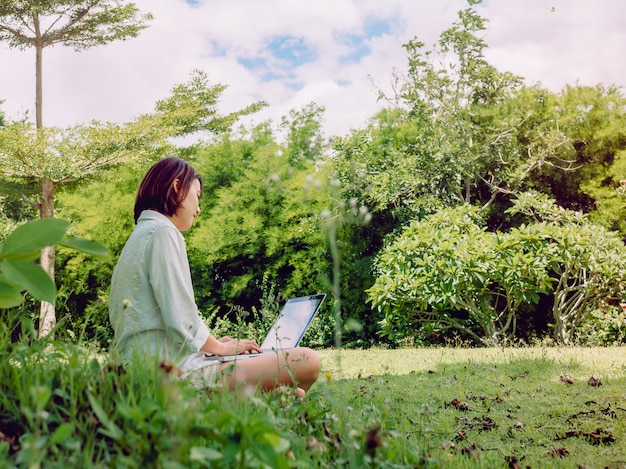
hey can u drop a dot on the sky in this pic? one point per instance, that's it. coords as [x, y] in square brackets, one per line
[289, 53]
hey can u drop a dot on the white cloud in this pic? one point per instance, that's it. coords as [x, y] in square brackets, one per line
[577, 41]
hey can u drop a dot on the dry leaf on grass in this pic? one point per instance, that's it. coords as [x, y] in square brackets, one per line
[459, 404]
[557, 453]
[594, 382]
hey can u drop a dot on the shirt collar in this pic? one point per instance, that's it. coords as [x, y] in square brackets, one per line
[153, 215]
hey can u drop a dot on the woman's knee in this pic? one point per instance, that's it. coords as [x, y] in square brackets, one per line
[310, 362]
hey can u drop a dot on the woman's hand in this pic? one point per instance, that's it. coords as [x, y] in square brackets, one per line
[230, 346]
[238, 346]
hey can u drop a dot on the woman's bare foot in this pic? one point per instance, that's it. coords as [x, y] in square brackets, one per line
[298, 392]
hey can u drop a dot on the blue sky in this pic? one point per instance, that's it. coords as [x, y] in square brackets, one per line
[337, 53]
[282, 54]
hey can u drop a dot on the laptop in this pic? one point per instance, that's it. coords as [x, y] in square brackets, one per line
[287, 330]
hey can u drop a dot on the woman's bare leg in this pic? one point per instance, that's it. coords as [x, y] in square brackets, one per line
[299, 367]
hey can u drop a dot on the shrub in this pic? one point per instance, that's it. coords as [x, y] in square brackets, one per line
[450, 271]
[605, 326]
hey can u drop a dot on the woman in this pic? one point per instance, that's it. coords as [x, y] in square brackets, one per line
[152, 306]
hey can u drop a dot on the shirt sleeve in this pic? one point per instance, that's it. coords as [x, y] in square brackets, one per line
[170, 277]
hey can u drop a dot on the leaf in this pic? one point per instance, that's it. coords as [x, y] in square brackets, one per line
[87, 246]
[10, 296]
[30, 277]
[202, 454]
[35, 235]
[353, 325]
[279, 444]
[459, 404]
[23, 256]
[595, 382]
[111, 429]
[62, 433]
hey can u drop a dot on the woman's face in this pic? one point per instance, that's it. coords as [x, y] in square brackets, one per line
[189, 208]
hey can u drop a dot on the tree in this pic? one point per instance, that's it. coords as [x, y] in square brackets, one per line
[68, 155]
[258, 225]
[80, 24]
[568, 142]
[464, 96]
[608, 191]
[305, 142]
[447, 137]
[391, 167]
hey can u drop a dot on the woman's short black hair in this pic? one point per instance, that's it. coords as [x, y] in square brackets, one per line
[157, 192]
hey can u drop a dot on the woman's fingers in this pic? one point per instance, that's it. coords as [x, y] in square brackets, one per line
[245, 346]
[252, 346]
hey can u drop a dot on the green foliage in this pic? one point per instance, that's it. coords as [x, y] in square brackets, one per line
[304, 138]
[608, 190]
[22, 246]
[570, 143]
[605, 326]
[448, 271]
[259, 230]
[80, 24]
[463, 95]
[586, 262]
[68, 155]
[261, 215]
[192, 108]
[391, 168]
[444, 140]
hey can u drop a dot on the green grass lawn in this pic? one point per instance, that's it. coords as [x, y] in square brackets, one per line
[523, 407]
[608, 361]
[436, 408]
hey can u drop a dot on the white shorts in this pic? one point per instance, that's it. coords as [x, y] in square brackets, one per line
[205, 377]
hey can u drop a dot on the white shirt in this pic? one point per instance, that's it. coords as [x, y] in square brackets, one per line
[152, 306]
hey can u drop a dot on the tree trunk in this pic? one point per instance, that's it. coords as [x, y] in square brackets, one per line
[39, 44]
[561, 332]
[47, 317]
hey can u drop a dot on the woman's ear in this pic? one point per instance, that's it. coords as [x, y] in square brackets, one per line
[176, 182]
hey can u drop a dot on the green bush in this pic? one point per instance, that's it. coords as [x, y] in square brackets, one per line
[255, 324]
[605, 326]
[449, 270]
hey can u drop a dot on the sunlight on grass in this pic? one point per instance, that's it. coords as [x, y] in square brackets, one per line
[605, 361]
[486, 407]
[378, 408]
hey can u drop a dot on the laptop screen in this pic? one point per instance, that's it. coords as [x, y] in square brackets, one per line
[292, 322]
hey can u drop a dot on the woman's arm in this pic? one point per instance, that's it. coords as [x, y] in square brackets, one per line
[170, 279]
